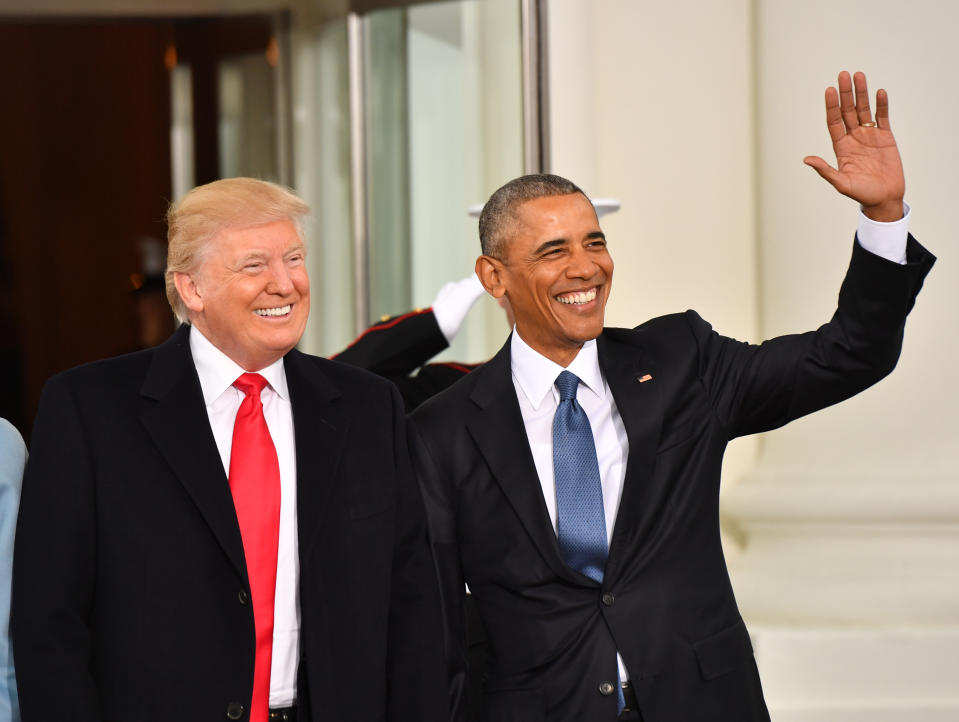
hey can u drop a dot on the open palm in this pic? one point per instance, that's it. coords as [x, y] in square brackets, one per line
[869, 167]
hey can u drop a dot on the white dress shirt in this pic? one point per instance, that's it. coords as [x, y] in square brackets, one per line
[217, 373]
[534, 378]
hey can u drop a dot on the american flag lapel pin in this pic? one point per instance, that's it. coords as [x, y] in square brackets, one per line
[644, 378]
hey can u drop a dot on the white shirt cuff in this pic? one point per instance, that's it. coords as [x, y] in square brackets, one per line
[885, 239]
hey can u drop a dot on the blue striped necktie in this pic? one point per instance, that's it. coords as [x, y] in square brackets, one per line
[580, 519]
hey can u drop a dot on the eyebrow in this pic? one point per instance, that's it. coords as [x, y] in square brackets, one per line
[556, 242]
[251, 256]
[259, 255]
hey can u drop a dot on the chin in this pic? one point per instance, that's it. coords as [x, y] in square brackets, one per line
[586, 333]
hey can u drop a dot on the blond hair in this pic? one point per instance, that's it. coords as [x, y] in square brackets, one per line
[207, 210]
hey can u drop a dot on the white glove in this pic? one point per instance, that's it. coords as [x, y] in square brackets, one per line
[453, 302]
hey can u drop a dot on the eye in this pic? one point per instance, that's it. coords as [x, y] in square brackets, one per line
[253, 267]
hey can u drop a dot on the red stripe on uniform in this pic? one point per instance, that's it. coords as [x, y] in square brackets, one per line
[385, 325]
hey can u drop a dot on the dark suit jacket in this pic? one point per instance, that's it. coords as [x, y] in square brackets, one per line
[666, 603]
[398, 348]
[129, 597]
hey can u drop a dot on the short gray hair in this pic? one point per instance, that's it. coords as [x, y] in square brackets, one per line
[500, 210]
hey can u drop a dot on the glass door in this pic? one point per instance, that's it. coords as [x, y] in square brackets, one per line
[439, 125]
[462, 117]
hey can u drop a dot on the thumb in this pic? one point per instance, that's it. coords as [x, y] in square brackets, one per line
[826, 171]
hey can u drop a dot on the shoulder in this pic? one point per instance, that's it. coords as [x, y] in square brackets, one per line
[344, 377]
[13, 454]
[453, 401]
[105, 376]
[662, 331]
[680, 323]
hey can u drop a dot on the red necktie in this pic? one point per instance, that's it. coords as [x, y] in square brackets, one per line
[255, 483]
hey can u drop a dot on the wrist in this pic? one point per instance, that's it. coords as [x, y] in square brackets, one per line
[885, 212]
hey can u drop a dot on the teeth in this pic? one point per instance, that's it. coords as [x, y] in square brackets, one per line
[281, 311]
[578, 298]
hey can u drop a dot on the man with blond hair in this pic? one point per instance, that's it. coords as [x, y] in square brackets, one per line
[223, 527]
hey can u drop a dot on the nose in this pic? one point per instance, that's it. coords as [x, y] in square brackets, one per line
[581, 264]
[281, 282]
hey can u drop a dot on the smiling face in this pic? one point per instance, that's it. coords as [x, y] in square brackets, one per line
[250, 295]
[556, 273]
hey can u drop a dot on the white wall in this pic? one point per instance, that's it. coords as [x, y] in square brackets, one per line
[651, 103]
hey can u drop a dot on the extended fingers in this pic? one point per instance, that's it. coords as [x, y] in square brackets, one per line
[863, 115]
[847, 102]
[882, 110]
[834, 116]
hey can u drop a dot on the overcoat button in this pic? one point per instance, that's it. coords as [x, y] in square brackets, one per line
[606, 688]
[608, 599]
[234, 710]
[244, 597]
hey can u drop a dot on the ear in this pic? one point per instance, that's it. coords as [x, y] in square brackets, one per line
[189, 293]
[490, 272]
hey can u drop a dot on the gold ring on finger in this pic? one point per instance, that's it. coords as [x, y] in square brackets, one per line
[870, 124]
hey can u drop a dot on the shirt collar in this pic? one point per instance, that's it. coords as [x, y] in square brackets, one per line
[217, 371]
[536, 374]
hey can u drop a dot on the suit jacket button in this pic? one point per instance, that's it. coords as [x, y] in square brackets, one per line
[234, 710]
[606, 688]
[608, 599]
[244, 597]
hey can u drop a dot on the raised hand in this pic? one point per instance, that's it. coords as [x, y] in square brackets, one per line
[869, 166]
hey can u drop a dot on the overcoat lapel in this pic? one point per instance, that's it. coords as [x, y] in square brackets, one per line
[320, 426]
[180, 428]
[498, 430]
[632, 378]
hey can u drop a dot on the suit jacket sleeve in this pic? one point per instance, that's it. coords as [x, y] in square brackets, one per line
[757, 388]
[54, 566]
[398, 349]
[416, 673]
[397, 346]
[439, 498]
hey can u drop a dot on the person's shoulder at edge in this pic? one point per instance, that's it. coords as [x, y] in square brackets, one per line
[13, 451]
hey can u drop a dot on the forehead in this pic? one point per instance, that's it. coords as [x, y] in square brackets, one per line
[563, 216]
[276, 236]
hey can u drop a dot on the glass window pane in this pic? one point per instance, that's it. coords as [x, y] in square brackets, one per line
[464, 139]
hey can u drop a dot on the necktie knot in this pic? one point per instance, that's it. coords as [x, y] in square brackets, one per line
[250, 383]
[566, 383]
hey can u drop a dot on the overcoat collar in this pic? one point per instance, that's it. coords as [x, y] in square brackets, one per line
[179, 426]
[320, 425]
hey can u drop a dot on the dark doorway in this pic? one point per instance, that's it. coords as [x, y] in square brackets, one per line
[85, 175]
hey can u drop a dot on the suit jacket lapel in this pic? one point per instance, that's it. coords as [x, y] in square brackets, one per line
[499, 432]
[631, 375]
[319, 426]
[180, 428]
